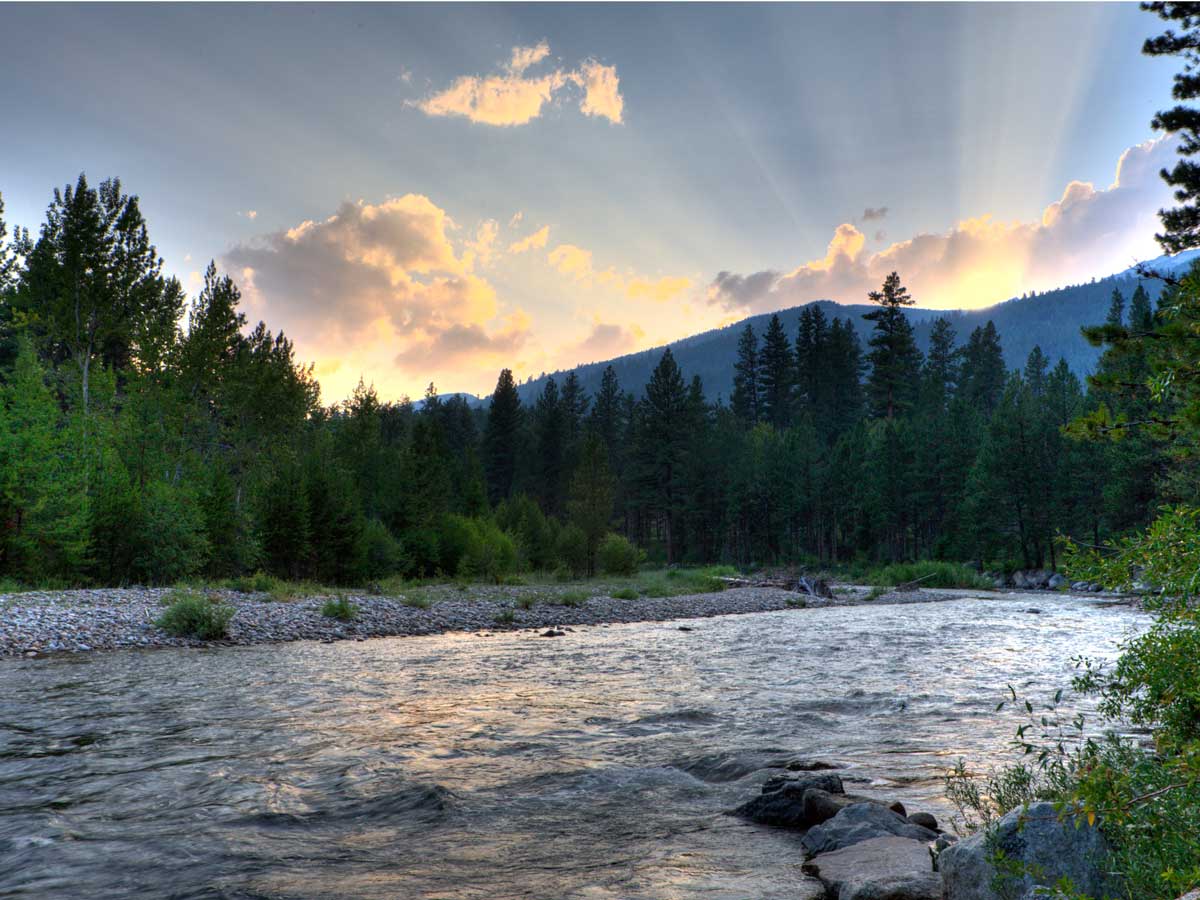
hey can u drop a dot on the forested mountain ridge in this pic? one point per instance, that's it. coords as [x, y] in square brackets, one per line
[1050, 320]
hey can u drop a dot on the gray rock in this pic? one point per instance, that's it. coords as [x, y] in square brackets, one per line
[821, 806]
[824, 782]
[858, 823]
[1041, 848]
[898, 808]
[924, 819]
[1056, 581]
[782, 801]
[881, 868]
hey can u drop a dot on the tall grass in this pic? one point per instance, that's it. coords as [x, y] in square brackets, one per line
[192, 614]
[928, 574]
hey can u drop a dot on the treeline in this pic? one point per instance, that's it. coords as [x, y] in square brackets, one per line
[146, 437]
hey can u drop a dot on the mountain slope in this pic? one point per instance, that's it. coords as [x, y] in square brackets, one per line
[1050, 320]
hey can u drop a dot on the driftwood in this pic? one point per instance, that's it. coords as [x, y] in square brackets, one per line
[811, 586]
[912, 585]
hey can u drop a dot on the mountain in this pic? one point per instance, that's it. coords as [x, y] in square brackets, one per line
[1050, 320]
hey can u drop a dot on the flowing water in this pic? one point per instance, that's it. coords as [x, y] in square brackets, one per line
[596, 765]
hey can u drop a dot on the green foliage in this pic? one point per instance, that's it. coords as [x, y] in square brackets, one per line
[616, 555]
[491, 554]
[191, 614]
[258, 583]
[340, 608]
[625, 594]
[573, 550]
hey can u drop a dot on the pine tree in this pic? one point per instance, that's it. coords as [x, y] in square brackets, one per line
[777, 377]
[605, 417]
[550, 432]
[591, 496]
[894, 357]
[941, 370]
[1116, 309]
[983, 369]
[1141, 312]
[662, 448]
[845, 379]
[501, 438]
[745, 399]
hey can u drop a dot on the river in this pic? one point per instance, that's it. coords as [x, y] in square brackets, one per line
[596, 765]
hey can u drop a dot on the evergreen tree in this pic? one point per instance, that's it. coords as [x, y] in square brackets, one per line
[1116, 309]
[591, 497]
[845, 379]
[550, 430]
[745, 399]
[606, 414]
[501, 438]
[983, 369]
[894, 357]
[776, 376]
[662, 449]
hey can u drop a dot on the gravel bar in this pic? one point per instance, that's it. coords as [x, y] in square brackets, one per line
[36, 623]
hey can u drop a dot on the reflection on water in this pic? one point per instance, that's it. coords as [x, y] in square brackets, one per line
[462, 766]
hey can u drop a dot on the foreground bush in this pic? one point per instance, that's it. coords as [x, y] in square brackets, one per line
[340, 608]
[193, 615]
[617, 556]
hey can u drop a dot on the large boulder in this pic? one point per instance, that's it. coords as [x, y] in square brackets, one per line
[880, 868]
[1056, 581]
[1038, 850]
[782, 800]
[858, 823]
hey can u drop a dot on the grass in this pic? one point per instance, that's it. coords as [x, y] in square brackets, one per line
[505, 617]
[417, 601]
[191, 614]
[876, 592]
[625, 594]
[928, 574]
[340, 608]
[570, 598]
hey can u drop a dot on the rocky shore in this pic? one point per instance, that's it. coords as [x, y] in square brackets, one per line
[35, 623]
[863, 848]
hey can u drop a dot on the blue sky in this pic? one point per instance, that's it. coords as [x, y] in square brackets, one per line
[691, 164]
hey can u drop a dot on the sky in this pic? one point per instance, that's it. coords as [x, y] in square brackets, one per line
[419, 193]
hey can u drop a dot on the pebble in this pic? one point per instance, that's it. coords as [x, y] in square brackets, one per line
[35, 623]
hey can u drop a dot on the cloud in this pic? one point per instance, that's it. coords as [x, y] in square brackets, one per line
[602, 89]
[980, 261]
[871, 213]
[379, 281]
[249, 214]
[575, 262]
[535, 241]
[604, 341]
[514, 97]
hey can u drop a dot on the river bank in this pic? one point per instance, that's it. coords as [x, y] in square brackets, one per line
[40, 622]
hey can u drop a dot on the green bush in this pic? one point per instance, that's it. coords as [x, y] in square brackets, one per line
[535, 534]
[617, 555]
[340, 608]
[455, 536]
[422, 552]
[573, 550]
[191, 614]
[491, 554]
[625, 594]
[258, 583]
[381, 554]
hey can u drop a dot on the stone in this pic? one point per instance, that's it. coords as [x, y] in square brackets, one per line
[1041, 849]
[898, 808]
[1056, 581]
[821, 806]
[924, 819]
[880, 868]
[782, 800]
[858, 823]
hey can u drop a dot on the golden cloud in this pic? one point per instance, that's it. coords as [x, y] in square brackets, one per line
[535, 241]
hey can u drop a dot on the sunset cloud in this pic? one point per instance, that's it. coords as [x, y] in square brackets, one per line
[576, 262]
[535, 241]
[380, 280]
[980, 261]
[604, 341]
[513, 97]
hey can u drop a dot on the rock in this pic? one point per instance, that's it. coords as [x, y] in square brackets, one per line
[686, 628]
[1081, 586]
[880, 868]
[1040, 848]
[858, 823]
[782, 800]
[1034, 611]
[944, 840]
[898, 808]
[553, 632]
[1056, 581]
[825, 782]
[821, 806]
[924, 819]
[811, 765]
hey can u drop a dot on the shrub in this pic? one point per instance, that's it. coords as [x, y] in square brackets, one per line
[571, 598]
[417, 601]
[191, 614]
[422, 552]
[617, 556]
[258, 583]
[573, 549]
[382, 554]
[535, 534]
[505, 617]
[491, 554]
[625, 594]
[340, 608]
[455, 535]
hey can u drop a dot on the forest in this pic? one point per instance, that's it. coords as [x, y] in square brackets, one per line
[147, 437]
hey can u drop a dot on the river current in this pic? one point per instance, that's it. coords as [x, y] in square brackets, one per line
[594, 766]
